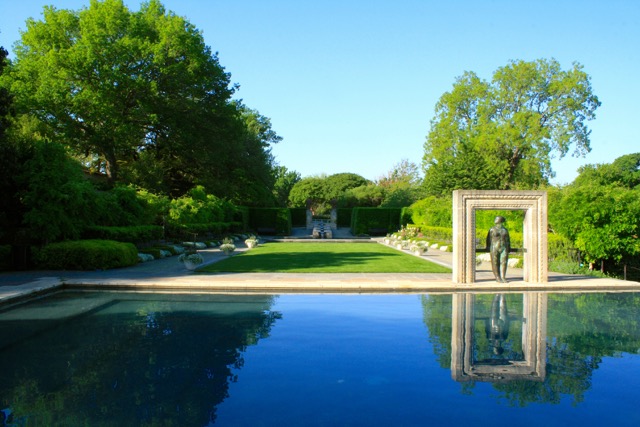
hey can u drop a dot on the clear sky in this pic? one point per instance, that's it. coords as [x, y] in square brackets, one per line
[351, 85]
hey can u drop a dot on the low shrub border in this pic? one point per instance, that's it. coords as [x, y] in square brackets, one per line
[133, 234]
[87, 255]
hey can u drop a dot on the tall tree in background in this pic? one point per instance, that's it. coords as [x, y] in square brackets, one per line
[9, 161]
[503, 134]
[402, 184]
[284, 182]
[322, 192]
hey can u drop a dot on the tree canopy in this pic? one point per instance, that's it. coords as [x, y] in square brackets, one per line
[140, 98]
[502, 134]
[324, 191]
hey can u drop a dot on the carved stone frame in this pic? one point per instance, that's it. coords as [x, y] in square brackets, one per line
[466, 202]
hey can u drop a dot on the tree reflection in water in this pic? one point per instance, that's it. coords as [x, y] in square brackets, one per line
[580, 330]
[135, 361]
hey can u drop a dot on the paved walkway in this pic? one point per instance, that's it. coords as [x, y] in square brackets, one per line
[169, 275]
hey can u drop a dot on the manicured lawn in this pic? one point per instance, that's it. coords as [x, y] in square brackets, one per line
[324, 258]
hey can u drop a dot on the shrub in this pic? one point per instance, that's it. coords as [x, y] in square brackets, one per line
[278, 219]
[561, 249]
[440, 234]
[203, 230]
[133, 234]
[365, 219]
[87, 255]
[344, 217]
[240, 218]
[58, 200]
[568, 267]
[128, 206]
[298, 217]
[432, 211]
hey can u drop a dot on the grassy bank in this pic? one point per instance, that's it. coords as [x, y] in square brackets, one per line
[324, 258]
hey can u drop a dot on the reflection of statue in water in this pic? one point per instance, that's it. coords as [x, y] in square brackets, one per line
[499, 245]
[497, 326]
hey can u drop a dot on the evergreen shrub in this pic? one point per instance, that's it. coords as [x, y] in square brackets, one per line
[298, 217]
[437, 234]
[277, 219]
[240, 218]
[203, 229]
[344, 217]
[363, 220]
[132, 234]
[87, 255]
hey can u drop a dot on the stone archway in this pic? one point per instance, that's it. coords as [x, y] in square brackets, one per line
[466, 202]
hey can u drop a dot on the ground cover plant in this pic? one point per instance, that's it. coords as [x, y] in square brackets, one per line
[324, 258]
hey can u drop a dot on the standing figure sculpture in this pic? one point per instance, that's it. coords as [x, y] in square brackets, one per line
[499, 245]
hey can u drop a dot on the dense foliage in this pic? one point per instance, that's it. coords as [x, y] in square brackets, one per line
[600, 211]
[323, 192]
[502, 134]
[87, 255]
[139, 98]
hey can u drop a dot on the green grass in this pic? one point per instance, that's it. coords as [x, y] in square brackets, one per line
[324, 258]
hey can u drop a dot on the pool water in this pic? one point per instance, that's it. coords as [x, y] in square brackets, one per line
[129, 359]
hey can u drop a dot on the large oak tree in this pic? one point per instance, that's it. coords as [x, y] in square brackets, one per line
[140, 98]
[503, 133]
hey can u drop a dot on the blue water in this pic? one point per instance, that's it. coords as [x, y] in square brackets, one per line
[127, 359]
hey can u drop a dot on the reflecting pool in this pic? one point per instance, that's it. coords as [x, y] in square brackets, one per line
[128, 359]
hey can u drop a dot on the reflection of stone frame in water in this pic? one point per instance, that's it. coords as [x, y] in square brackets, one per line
[534, 335]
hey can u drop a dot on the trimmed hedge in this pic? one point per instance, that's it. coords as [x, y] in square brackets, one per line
[440, 234]
[405, 216]
[133, 234]
[87, 255]
[241, 216]
[205, 229]
[298, 217]
[344, 217]
[277, 219]
[364, 220]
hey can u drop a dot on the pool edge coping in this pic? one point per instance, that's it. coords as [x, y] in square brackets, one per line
[310, 283]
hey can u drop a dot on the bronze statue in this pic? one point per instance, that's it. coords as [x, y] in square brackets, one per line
[499, 245]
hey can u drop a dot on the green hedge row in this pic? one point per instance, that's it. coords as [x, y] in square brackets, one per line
[559, 248]
[277, 220]
[440, 234]
[298, 217]
[132, 234]
[86, 255]
[344, 217]
[209, 229]
[445, 234]
[372, 220]
[241, 215]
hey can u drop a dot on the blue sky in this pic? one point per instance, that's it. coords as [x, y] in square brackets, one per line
[351, 85]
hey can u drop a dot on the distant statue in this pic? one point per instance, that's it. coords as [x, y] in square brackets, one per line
[499, 245]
